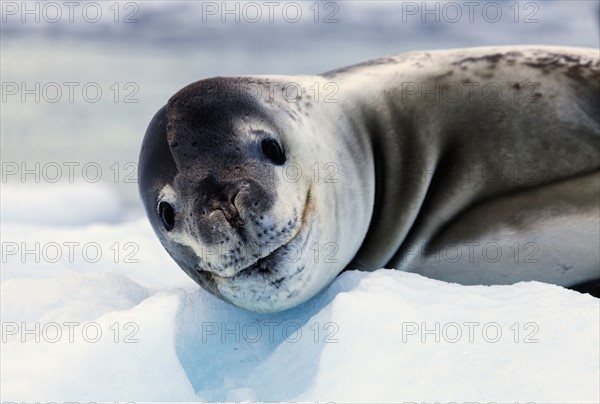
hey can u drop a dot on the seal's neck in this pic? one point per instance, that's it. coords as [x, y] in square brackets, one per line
[398, 158]
[346, 184]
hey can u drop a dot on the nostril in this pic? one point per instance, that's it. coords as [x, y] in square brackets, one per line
[232, 200]
[233, 217]
[232, 213]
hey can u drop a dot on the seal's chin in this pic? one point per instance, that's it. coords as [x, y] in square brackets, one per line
[273, 263]
[275, 282]
[262, 265]
[285, 254]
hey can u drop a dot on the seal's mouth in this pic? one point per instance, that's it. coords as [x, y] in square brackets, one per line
[264, 264]
[267, 265]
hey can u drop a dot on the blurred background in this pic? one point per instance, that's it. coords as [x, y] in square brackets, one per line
[81, 80]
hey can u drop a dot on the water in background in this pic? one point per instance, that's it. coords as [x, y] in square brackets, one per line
[139, 64]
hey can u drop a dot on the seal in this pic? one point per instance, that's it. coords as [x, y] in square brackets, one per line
[475, 166]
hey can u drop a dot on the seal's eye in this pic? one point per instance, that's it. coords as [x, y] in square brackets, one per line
[273, 151]
[167, 214]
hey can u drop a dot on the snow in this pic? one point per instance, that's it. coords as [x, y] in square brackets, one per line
[64, 204]
[385, 336]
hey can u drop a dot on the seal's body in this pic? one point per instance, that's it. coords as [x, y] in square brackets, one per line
[472, 166]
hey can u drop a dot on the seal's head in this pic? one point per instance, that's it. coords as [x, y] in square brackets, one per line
[219, 178]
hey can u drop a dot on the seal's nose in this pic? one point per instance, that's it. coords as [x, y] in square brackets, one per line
[221, 206]
[225, 205]
[231, 212]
